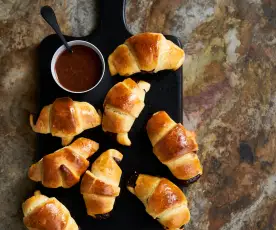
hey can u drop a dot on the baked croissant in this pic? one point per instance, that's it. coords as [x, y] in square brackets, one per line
[123, 104]
[162, 199]
[44, 213]
[145, 52]
[174, 146]
[66, 118]
[100, 187]
[64, 167]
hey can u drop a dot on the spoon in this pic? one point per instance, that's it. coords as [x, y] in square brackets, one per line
[49, 16]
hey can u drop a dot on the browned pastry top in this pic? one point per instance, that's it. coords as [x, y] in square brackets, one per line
[50, 216]
[51, 162]
[100, 186]
[92, 185]
[63, 116]
[159, 195]
[176, 143]
[145, 47]
[122, 97]
[65, 166]
[165, 196]
[160, 122]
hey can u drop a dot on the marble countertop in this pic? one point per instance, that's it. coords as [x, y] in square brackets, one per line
[229, 99]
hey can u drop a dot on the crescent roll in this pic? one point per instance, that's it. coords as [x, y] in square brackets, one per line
[100, 186]
[150, 52]
[122, 105]
[44, 213]
[64, 167]
[66, 118]
[174, 146]
[162, 199]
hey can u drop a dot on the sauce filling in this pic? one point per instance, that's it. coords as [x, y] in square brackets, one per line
[80, 70]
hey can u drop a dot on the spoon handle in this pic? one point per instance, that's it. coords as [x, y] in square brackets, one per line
[49, 16]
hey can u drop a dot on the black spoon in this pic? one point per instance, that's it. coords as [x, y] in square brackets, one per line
[49, 16]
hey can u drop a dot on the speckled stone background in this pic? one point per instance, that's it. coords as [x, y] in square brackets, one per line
[229, 99]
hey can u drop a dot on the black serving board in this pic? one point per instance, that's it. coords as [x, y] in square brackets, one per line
[165, 94]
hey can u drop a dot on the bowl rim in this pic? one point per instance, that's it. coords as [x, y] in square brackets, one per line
[73, 43]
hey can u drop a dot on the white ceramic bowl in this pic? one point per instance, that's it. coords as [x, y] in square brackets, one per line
[61, 49]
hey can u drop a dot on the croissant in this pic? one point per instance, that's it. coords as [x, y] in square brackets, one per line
[123, 104]
[174, 146]
[162, 199]
[64, 167]
[66, 118]
[44, 213]
[100, 187]
[145, 52]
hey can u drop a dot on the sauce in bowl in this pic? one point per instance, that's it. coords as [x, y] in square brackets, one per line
[80, 70]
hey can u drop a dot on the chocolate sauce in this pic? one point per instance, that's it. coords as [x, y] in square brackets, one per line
[80, 70]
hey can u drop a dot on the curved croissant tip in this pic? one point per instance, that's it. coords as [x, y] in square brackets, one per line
[31, 119]
[37, 193]
[144, 85]
[123, 139]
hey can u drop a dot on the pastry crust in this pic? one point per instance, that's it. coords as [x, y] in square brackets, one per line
[66, 118]
[100, 186]
[44, 213]
[174, 146]
[122, 105]
[162, 199]
[149, 52]
[64, 167]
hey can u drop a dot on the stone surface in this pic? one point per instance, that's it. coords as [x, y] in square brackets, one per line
[229, 99]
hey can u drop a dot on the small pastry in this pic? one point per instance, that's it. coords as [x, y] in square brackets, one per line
[162, 199]
[44, 213]
[100, 186]
[148, 52]
[66, 118]
[64, 167]
[122, 105]
[175, 147]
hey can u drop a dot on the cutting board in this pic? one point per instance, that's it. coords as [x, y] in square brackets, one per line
[165, 94]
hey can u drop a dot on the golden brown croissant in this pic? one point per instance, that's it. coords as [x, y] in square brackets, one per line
[64, 167]
[44, 213]
[123, 104]
[174, 146]
[66, 118]
[162, 199]
[145, 52]
[100, 187]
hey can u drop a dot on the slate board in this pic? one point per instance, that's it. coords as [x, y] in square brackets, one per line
[165, 94]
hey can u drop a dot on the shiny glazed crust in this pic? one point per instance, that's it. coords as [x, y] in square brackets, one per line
[163, 200]
[43, 213]
[64, 167]
[122, 105]
[174, 146]
[145, 52]
[66, 118]
[100, 186]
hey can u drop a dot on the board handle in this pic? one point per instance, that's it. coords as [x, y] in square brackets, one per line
[112, 17]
